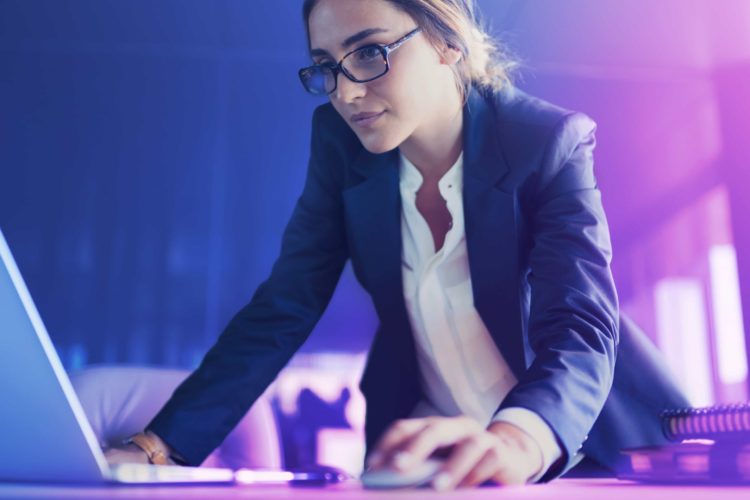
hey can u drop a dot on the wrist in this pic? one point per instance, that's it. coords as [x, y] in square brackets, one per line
[525, 443]
[160, 443]
[157, 451]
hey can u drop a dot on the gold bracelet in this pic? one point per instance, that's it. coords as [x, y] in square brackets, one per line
[150, 447]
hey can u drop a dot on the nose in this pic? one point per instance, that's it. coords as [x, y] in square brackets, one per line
[347, 91]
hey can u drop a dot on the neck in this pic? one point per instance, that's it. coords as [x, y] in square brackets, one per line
[434, 150]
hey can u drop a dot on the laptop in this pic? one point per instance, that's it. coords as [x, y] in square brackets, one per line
[45, 435]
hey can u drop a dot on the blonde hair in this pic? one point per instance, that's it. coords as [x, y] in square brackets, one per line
[456, 24]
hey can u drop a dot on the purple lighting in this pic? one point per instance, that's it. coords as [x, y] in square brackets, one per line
[727, 315]
[683, 336]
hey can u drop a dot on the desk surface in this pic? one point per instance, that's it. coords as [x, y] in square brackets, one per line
[557, 490]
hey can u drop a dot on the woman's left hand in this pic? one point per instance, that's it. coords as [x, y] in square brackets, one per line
[502, 453]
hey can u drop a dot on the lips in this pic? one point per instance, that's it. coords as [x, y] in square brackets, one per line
[363, 116]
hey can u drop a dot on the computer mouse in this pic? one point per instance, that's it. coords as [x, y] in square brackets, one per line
[394, 478]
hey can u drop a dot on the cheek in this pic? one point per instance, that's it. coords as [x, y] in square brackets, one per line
[399, 121]
[402, 97]
[337, 107]
[411, 94]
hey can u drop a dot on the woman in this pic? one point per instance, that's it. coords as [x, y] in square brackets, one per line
[472, 217]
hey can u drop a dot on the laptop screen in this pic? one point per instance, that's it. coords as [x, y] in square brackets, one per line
[46, 436]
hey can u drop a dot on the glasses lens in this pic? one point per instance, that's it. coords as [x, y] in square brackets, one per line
[318, 79]
[366, 63]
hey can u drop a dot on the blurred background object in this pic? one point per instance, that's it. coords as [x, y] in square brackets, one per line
[120, 401]
[151, 152]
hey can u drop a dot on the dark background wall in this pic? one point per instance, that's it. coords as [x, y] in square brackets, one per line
[151, 153]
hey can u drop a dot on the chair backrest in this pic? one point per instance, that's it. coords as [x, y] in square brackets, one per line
[120, 400]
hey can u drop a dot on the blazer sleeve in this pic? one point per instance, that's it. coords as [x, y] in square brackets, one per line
[573, 310]
[261, 338]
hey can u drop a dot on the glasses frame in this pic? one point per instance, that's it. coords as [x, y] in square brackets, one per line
[337, 68]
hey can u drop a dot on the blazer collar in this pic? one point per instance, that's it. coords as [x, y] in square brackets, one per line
[483, 157]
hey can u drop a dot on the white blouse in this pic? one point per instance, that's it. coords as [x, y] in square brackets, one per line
[462, 370]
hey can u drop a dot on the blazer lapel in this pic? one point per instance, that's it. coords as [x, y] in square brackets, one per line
[491, 237]
[373, 208]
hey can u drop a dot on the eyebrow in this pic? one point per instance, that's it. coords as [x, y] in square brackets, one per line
[351, 40]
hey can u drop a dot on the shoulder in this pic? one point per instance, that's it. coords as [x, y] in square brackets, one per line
[332, 135]
[333, 146]
[536, 137]
[523, 119]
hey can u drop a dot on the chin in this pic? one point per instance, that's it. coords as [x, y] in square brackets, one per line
[378, 144]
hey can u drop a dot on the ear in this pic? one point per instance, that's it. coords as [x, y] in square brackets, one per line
[450, 56]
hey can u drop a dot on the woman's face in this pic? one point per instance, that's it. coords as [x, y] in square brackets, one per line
[409, 96]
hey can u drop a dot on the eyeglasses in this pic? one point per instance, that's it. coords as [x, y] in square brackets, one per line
[364, 64]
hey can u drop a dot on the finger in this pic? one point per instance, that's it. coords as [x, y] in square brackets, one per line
[435, 435]
[393, 437]
[487, 467]
[511, 474]
[465, 457]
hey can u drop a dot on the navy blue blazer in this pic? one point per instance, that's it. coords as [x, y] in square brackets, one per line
[539, 257]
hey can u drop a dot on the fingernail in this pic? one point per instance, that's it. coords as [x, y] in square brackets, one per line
[403, 459]
[442, 481]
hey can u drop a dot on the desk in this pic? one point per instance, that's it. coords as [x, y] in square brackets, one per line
[561, 489]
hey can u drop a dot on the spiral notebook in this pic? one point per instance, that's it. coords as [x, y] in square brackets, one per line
[719, 423]
[710, 445]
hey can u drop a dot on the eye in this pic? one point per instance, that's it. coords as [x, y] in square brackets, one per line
[368, 53]
[323, 61]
